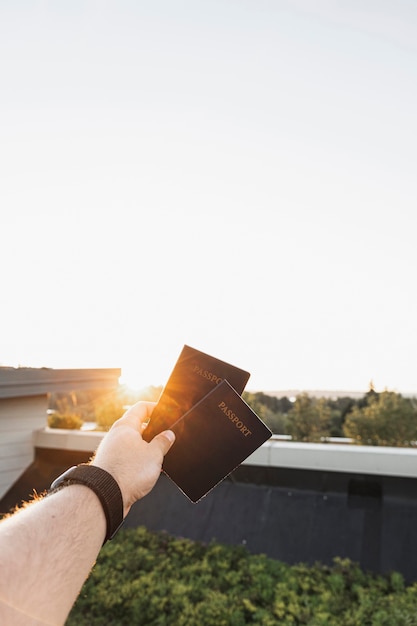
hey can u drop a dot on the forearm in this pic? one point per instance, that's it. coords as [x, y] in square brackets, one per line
[48, 549]
[46, 553]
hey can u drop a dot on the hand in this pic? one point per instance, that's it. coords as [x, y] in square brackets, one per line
[134, 463]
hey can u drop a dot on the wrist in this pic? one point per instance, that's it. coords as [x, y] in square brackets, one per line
[118, 476]
[103, 485]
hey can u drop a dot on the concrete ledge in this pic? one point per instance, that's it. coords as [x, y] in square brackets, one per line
[385, 461]
[62, 439]
[346, 458]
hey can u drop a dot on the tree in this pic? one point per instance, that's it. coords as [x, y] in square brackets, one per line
[272, 410]
[370, 395]
[340, 408]
[309, 419]
[388, 419]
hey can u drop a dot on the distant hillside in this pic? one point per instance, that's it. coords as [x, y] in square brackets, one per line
[322, 393]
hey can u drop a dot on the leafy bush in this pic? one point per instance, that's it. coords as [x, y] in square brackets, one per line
[109, 407]
[108, 411]
[71, 421]
[154, 579]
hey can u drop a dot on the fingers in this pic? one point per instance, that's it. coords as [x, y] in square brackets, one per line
[138, 414]
[138, 417]
[164, 441]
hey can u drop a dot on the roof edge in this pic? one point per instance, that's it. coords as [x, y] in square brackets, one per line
[25, 381]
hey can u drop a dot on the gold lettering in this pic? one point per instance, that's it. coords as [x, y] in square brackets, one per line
[234, 419]
[207, 374]
[245, 431]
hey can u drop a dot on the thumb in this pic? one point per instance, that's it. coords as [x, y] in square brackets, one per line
[164, 440]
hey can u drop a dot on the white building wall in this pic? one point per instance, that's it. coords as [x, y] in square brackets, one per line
[19, 418]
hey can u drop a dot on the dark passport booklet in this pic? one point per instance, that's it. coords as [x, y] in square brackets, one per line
[194, 375]
[212, 439]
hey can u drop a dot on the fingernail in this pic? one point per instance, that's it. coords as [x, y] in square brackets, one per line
[170, 435]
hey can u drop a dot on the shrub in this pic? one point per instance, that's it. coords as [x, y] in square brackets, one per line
[111, 406]
[107, 411]
[154, 579]
[71, 421]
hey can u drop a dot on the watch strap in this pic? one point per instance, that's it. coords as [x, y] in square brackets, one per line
[104, 486]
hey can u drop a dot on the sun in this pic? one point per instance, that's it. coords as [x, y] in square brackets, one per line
[134, 393]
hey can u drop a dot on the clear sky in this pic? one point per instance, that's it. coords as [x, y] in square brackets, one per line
[236, 175]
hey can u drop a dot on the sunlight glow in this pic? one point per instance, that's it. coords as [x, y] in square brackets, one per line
[254, 199]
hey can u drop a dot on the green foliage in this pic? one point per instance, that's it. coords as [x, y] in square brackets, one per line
[387, 419]
[66, 414]
[154, 579]
[108, 408]
[277, 422]
[272, 410]
[102, 406]
[80, 402]
[273, 403]
[306, 419]
[71, 421]
[108, 411]
[340, 408]
[309, 419]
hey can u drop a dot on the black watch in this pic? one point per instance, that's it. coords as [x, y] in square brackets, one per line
[104, 486]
